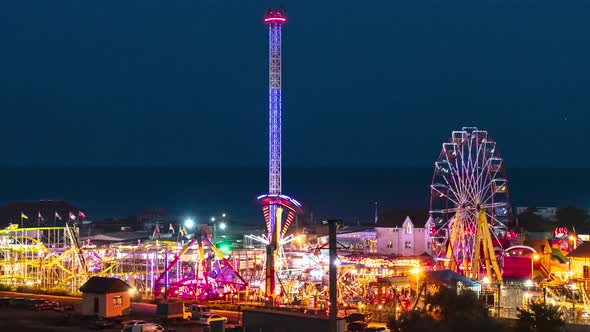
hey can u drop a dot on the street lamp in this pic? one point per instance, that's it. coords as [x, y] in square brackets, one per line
[189, 223]
[416, 271]
[212, 219]
[222, 226]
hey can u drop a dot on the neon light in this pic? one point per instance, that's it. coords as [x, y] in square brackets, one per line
[275, 19]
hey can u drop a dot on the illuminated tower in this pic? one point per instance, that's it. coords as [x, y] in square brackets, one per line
[279, 210]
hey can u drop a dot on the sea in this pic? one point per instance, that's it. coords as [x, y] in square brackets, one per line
[344, 193]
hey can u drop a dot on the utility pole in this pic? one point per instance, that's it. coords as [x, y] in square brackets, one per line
[376, 211]
[332, 227]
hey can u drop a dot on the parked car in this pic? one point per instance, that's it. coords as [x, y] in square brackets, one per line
[20, 302]
[5, 301]
[357, 326]
[63, 307]
[356, 317]
[206, 319]
[376, 329]
[43, 304]
[145, 327]
[133, 322]
[198, 310]
[102, 323]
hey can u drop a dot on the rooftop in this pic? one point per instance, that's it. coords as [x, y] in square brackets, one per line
[582, 251]
[396, 217]
[100, 285]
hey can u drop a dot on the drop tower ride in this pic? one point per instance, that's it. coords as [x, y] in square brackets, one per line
[279, 210]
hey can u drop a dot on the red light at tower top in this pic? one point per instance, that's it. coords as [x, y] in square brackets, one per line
[275, 16]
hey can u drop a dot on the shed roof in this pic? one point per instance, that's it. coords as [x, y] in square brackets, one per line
[449, 278]
[100, 285]
[582, 251]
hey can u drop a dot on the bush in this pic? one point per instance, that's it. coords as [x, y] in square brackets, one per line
[539, 318]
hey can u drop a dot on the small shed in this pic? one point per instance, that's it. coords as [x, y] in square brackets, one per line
[580, 261]
[105, 297]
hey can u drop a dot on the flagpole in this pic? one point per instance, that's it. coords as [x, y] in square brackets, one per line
[38, 224]
[21, 219]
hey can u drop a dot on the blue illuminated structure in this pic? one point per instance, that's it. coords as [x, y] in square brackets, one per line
[279, 210]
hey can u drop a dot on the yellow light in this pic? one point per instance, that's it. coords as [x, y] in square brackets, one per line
[536, 257]
[131, 291]
[415, 270]
[380, 307]
[571, 237]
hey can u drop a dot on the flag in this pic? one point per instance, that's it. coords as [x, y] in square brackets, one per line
[81, 215]
[39, 216]
[57, 215]
[72, 216]
[23, 216]
[171, 228]
[181, 231]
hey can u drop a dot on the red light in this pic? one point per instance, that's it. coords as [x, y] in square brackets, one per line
[275, 19]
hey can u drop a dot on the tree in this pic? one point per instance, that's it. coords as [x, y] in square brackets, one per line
[448, 311]
[539, 318]
[573, 217]
[532, 222]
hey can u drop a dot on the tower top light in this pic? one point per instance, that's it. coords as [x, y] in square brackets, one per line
[275, 16]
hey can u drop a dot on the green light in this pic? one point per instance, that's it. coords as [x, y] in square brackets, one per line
[225, 248]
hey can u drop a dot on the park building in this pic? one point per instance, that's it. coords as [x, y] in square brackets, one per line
[404, 239]
[394, 235]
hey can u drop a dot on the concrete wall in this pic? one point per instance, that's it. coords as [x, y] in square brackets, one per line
[276, 321]
[119, 307]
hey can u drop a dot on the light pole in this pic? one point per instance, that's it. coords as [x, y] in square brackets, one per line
[222, 225]
[574, 318]
[416, 271]
[189, 223]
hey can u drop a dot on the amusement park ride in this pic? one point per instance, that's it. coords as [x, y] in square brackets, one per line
[469, 205]
[279, 210]
[188, 282]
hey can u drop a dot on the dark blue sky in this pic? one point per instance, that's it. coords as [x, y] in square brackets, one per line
[373, 84]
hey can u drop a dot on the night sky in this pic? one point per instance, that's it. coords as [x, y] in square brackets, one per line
[379, 83]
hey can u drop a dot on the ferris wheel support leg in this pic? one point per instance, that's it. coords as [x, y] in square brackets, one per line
[488, 247]
[450, 262]
[476, 255]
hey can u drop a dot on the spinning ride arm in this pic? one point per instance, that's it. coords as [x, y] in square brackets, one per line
[176, 258]
[225, 261]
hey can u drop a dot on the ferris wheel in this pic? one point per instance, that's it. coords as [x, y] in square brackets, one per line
[469, 205]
